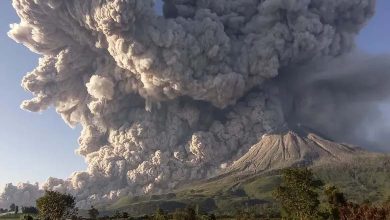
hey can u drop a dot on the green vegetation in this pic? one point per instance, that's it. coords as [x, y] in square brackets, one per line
[29, 210]
[28, 213]
[55, 205]
[335, 200]
[93, 213]
[160, 215]
[12, 208]
[299, 200]
[368, 178]
[20, 216]
[234, 194]
[297, 194]
[351, 190]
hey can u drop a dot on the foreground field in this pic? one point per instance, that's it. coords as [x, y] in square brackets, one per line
[363, 183]
[365, 179]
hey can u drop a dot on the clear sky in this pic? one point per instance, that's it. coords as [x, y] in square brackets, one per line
[35, 146]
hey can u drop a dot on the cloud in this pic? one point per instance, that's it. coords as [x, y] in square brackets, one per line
[341, 97]
[24, 194]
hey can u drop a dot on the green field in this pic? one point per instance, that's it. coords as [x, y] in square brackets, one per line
[364, 179]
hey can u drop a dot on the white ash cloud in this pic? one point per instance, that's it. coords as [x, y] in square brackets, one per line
[23, 194]
[161, 100]
[100, 88]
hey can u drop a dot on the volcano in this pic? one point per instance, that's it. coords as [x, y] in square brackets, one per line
[251, 179]
[300, 146]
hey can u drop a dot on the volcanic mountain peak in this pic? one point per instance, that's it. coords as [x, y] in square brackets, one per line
[300, 146]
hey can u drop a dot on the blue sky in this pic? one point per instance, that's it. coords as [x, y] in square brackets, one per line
[32, 146]
[35, 146]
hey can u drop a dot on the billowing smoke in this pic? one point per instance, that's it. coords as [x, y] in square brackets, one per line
[24, 194]
[163, 100]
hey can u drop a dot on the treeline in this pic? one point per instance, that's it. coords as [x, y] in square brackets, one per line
[189, 213]
[15, 209]
[299, 196]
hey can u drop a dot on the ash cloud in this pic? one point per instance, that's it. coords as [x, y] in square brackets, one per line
[167, 100]
[23, 194]
[341, 98]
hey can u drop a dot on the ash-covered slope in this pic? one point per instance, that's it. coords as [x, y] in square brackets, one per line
[299, 146]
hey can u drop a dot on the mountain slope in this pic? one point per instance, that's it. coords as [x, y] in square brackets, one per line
[250, 180]
[292, 148]
[364, 178]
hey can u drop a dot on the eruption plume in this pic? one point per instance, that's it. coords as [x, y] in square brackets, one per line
[163, 100]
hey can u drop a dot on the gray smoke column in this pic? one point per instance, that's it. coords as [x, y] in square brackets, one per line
[167, 100]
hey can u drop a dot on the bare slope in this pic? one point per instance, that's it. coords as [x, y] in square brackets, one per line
[293, 148]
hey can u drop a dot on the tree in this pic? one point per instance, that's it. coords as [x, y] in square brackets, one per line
[188, 214]
[12, 207]
[245, 215]
[27, 217]
[212, 217]
[117, 214]
[160, 215]
[125, 215]
[335, 200]
[29, 210]
[297, 194]
[54, 205]
[351, 211]
[93, 213]
[16, 209]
